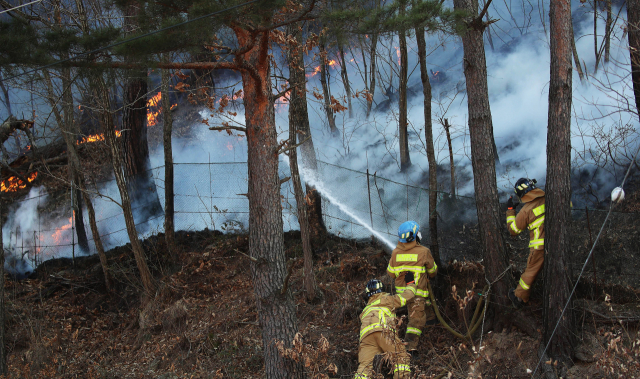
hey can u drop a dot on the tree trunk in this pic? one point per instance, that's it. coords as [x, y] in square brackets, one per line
[431, 155]
[633, 29]
[405, 159]
[3, 352]
[453, 168]
[558, 187]
[276, 311]
[576, 59]
[297, 116]
[482, 151]
[298, 84]
[345, 80]
[372, 70]
[140, 183]
[169, 226]
[106, 119]
[607, 34]
[595, 33]
[325, 90]
[81, 233]
[74, 162]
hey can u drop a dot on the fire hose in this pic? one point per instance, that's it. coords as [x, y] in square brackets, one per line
[476, 320]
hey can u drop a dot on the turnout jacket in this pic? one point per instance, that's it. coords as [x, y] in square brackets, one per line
[530, 216]
[412, 256]
[381, 309]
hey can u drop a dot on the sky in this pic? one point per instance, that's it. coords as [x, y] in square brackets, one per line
[518, 78]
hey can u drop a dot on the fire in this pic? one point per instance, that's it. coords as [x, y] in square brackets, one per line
[154, 109]
[95, 138]
[57, 236]
[13, 184]
[397, 53]
[316, 70]
[152, 114]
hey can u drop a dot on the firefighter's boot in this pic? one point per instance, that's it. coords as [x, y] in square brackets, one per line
[412, 342]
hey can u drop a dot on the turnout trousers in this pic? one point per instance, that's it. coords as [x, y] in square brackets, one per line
[376, 343]
[534, 265]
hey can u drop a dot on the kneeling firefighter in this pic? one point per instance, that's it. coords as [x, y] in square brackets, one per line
[530, 216]
[411, 257]
[377, 318]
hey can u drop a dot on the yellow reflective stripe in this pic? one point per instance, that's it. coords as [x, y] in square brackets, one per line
[414, 331]
[410, 289]
[403, 301]
[422, 293]
[399, 269]
[402, 367]
[515, 228]
[433, 269]
[369, 328]
[536, 243]
[407, 257]
[524, 285]
[379, 309]
[538, 210]
[536, 223]
[400, 289]
[511, 218]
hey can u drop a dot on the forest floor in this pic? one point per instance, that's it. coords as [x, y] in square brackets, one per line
[202, 323]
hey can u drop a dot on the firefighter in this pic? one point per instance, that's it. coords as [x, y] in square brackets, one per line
[411, 257]
[530, 216]
[376, 320]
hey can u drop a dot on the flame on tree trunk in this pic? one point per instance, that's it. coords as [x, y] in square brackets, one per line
[325, 90]
[276, 312]
[140, 183]
[106, 119]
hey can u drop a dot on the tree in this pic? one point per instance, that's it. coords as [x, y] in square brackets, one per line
[483, 157]
[431, 156]
[169, 226]
[298, 115]
[324, 80]
[103, 101]
[403, 135]
[135, 149]
[3, 352]
[633, 29]
[558, 187]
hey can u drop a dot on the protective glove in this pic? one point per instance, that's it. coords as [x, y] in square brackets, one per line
[408, 277]
[510, 203]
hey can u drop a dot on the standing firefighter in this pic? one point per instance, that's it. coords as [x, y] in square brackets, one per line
[411, 257]
[530, 216]
[377, 333]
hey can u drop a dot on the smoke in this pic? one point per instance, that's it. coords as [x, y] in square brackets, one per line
[214, 196]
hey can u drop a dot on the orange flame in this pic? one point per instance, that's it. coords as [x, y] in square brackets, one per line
[95, 138]
[153, 109]
[57, 236]
[316, 70]
[13, 184]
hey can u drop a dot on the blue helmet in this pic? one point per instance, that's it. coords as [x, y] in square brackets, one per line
[408, 231]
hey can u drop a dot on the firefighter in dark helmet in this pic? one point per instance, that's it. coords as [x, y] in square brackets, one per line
[377, 333]
[531, 216]
[411, 257]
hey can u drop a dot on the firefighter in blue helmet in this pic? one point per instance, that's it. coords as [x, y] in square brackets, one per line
[411, 257]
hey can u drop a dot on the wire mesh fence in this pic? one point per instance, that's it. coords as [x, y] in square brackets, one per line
[355, 204]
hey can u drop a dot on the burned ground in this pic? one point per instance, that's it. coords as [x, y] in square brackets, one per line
[202, 323]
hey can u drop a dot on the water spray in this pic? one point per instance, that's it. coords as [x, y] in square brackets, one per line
[312, 178]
